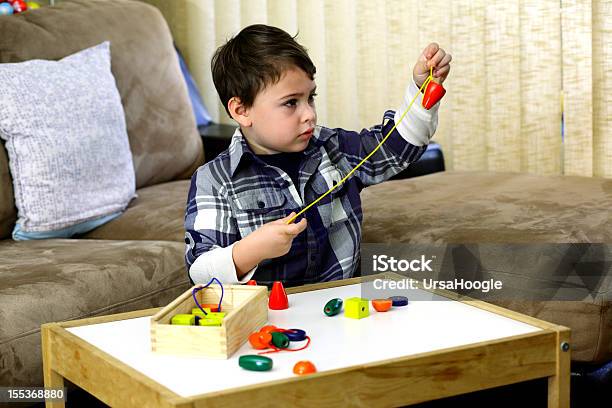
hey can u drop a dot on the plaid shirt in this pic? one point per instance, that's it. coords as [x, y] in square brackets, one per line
[236, 193]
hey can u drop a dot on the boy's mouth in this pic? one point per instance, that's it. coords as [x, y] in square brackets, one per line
[308, 132]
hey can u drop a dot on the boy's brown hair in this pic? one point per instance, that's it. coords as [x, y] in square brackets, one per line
[255, 58]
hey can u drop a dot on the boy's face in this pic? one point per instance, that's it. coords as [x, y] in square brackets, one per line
[283, 115]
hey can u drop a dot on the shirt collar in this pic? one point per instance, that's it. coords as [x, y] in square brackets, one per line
[240, 150]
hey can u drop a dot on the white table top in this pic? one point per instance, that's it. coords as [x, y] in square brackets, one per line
[337, 342]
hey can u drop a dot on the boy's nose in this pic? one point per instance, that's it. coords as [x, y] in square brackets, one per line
[310, 114]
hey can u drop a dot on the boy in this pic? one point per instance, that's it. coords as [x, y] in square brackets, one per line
[279, 161]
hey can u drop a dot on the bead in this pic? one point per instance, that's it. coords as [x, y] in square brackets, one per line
[269, 329]
[356, 308]
[198, 312]
[304, 367]
[278, 299]
[210, 321]
[183, 320]
[295, 334]
[333, 307]
[214, 307]
[255, 363]
[252, 282]
[399, 300]
[433, 93]
[382, 305]
[260, 340]
[280, 340]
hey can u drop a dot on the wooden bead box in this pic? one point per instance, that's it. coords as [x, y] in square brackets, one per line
[246, 309]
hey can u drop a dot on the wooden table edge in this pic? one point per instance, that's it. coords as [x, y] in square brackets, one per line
[557, 381]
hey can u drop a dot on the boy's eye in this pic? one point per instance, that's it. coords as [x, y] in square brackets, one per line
[293, 102]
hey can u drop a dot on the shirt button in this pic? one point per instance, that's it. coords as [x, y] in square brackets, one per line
[261, 204]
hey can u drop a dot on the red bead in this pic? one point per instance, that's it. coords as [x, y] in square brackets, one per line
[252, 282]
[304, 367]
[278, 298]
[433, 93]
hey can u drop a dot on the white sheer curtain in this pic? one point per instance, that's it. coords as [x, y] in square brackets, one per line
[502, 111]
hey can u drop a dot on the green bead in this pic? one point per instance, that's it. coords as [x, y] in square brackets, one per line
[333, 307]
[254, 362]
[280, 340]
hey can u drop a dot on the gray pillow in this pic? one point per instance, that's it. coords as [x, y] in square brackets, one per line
[66, 138]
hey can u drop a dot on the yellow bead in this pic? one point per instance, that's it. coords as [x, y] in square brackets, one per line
[198, 312]
[183, 319]
[356, 308]
[210, 321]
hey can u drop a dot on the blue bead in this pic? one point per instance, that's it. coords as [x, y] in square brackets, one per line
[399, 300]
[295, 334]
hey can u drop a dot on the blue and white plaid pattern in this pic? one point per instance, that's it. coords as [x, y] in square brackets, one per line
[236, 193]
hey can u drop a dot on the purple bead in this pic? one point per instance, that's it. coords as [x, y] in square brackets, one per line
[399, 300]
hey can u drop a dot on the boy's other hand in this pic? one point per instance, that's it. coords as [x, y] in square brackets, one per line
[274, 238]
[432, 57]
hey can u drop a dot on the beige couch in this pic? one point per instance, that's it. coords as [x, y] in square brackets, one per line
[136, 261]
[525, 230]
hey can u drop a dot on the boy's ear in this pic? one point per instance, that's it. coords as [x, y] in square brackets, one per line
[238, 112]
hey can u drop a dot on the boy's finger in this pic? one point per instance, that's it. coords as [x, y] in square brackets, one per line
[442, 71]
[294, 229]
[430, 50]
[436, 59]
[284, 219]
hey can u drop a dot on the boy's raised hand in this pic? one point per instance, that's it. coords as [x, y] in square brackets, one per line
[432, 57]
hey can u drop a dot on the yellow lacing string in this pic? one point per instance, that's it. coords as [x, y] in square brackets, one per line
[429, 78]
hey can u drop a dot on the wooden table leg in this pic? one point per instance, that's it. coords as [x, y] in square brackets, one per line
[51, 377]
[559, 384]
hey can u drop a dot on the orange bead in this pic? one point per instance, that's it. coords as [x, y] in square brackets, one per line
[304, 367]
[382, 305]
[269, 329]
[214, 307]
[260, 340]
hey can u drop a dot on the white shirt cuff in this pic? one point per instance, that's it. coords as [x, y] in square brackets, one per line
[419, 124]
[217, 263]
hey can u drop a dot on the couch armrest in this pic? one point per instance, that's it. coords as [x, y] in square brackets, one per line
[432, 161]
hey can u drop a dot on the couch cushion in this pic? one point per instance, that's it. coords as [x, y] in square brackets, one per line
[487, 208]
[163, 137]
[157, 213]
[58, 280]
